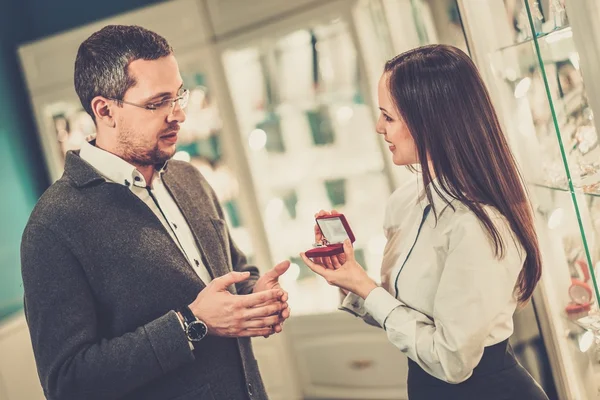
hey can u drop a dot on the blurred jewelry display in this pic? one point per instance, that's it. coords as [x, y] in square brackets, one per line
[72, 127]
[559, 13]
[576, 126]
[545, 20]
[523, 25]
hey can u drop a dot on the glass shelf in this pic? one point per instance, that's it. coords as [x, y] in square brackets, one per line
[565, 189]
[590, 322]
[550, 37]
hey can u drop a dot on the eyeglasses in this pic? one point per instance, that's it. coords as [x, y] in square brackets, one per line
[163, 105]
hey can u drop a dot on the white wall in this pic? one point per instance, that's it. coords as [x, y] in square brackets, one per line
[18, 374]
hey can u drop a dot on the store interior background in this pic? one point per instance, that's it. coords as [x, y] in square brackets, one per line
[25, 176]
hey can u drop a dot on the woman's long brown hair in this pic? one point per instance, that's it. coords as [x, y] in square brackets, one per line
[445, 105]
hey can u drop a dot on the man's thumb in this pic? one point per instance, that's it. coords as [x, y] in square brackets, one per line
[223, 282]
[280, 269]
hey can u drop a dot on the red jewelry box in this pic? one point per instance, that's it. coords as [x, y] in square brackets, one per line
[335, 230]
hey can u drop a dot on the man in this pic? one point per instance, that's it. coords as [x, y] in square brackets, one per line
[134, 288]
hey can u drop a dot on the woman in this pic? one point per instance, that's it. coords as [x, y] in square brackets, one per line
[462, 252]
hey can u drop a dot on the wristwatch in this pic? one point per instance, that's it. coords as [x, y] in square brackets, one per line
[195, 329]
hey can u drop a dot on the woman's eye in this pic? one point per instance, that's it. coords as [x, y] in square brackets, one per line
[388, 119]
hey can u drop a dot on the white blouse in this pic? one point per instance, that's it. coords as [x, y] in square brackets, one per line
[448, 296]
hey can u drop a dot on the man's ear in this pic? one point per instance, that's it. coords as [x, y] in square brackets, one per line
[102, 108]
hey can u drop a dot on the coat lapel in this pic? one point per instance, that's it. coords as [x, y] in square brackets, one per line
[198, 210]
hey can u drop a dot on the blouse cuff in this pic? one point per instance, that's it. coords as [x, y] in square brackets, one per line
[354, 305]
[379, 304]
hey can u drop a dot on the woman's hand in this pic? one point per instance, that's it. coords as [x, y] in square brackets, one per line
[327, 262]
[348, 276]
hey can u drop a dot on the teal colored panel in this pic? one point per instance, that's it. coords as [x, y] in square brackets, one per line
[19, 185]
[16, 205]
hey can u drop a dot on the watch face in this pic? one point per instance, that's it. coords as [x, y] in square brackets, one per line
[196, 331]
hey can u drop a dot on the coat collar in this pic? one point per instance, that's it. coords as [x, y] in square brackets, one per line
[92, 165]
[80, 172]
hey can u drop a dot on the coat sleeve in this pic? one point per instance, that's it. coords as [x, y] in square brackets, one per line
[73, 360]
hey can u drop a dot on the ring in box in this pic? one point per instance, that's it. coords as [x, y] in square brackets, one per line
[335, 230]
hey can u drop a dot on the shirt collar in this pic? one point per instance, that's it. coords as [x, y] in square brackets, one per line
[440, 200]
[114, 168]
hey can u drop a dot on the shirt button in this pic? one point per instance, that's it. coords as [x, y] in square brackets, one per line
[137, 179]
[197, 262]
[250, 389]
[175, 226]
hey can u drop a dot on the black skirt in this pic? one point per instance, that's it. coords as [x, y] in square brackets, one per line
[498, 376]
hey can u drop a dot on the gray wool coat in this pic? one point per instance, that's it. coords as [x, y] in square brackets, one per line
[102, 277]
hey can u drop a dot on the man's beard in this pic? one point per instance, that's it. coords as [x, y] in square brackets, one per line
[138, 155]
[148, 157]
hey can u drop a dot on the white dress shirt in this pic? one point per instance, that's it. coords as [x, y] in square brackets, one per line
[156, 197]
[448, 296]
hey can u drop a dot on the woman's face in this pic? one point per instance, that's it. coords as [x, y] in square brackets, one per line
[391, 125]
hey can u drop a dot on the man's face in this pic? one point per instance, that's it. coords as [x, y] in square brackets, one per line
[149, 137]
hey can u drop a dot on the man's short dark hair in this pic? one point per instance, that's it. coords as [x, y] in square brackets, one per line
[103, 59]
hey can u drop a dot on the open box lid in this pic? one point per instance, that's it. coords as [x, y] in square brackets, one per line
[335, 228]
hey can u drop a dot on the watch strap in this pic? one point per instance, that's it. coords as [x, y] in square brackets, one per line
[188, 315]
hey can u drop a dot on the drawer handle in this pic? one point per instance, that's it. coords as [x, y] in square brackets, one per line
[361, 364]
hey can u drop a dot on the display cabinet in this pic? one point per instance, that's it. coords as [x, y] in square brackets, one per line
[538, 64]
[304, 95]
[311, 144]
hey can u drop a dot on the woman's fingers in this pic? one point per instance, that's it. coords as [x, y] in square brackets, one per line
[316, 268]
[348, 250]
[336, 262]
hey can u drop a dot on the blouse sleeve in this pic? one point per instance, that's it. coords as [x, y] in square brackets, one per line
[355, 305]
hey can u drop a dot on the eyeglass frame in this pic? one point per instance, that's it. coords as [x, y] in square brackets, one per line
[184, 95]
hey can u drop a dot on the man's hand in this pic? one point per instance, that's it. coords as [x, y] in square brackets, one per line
[231, 315]
[270, 281]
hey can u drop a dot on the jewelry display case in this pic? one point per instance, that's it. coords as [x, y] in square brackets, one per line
[537, 62]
